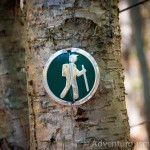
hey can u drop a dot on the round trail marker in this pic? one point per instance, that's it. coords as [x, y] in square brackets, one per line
[71, 76]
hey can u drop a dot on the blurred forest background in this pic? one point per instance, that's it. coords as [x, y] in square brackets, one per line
[135, 24]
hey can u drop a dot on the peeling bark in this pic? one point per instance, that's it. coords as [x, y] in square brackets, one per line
[90, 25]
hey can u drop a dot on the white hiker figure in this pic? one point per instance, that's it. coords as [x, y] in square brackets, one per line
[71, 72]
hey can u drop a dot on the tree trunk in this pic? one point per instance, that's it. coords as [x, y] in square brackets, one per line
[137, 23]
[93, 26]
[13, 97]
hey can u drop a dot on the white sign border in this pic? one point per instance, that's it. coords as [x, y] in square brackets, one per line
[95, 86]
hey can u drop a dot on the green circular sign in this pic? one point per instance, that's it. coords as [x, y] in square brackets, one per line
[71, 76]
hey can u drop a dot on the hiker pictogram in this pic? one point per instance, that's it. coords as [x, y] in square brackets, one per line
[71, 72]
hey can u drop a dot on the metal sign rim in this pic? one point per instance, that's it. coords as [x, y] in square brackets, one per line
[94, 88]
